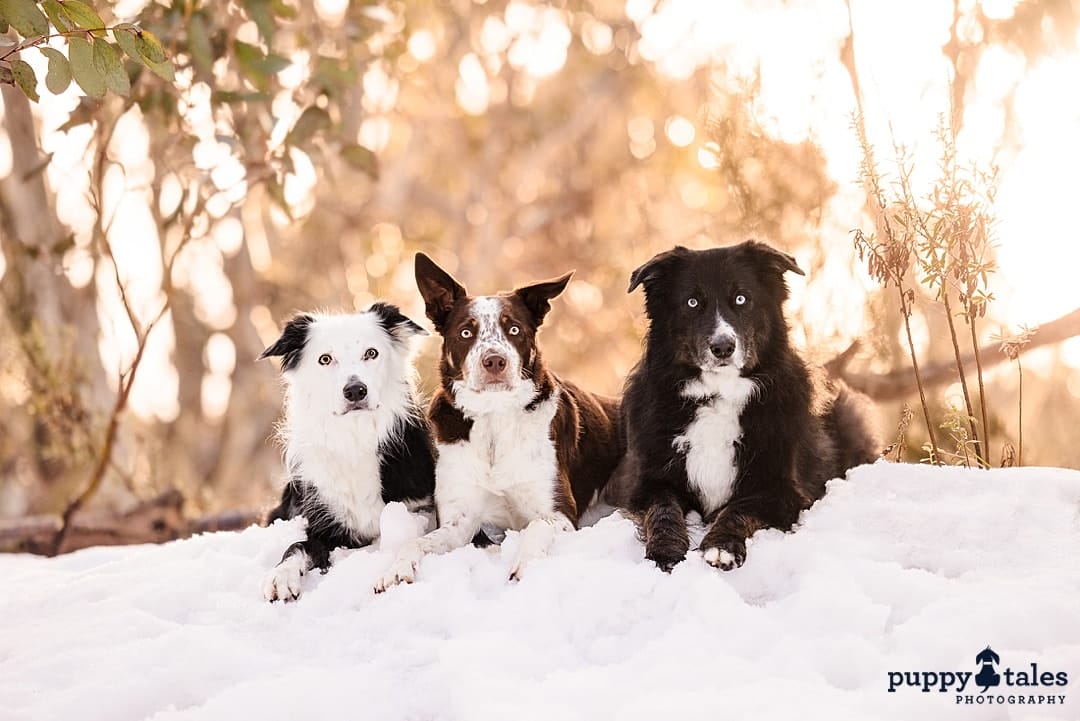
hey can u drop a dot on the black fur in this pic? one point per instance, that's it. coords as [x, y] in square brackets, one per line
[407, 472]
[290, 346]
[406, 457]
[787, 449]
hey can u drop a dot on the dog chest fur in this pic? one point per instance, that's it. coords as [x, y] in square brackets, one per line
[505, 472]
[709, 441]
[341, 459]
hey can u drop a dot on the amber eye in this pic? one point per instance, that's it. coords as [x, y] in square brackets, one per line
[514, 330]
[371, 354]
[466, 333]
[325, 359]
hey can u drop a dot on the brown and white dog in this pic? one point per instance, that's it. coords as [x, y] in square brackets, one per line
[518, 447]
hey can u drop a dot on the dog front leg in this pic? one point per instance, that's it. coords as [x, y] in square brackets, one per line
[664, 529]
[536, 539]
[283, 581]
[455, 533]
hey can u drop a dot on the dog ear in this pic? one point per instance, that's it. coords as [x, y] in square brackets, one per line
[399, 326]
[290, 345]
[655, 267]
[773, 258]
[439, 290]
[536, 296]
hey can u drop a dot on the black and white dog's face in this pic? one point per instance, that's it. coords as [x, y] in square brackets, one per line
[717, 310]
[335, 365]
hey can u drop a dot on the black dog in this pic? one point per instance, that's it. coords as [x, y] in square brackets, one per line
[721, 414]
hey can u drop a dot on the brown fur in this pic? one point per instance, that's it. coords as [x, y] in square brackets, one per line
[585, 427]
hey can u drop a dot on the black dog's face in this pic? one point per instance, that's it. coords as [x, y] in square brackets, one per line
[715, 310]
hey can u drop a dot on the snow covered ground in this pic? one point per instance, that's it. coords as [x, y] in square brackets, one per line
[899, 568]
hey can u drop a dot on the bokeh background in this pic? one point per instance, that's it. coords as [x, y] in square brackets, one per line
[305, 150]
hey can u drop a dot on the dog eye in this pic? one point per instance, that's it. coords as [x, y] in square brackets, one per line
[326, 359]
[740, 299]
[692, 302]
[514, 330]
[371, 354]
[466, 333]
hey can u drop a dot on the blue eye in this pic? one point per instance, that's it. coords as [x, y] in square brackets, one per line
[692, 302]
[371, 354]
[740, 299]
[325, 359]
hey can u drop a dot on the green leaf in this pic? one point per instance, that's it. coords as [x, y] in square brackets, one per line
[310, 122]
[202, 52]
[25, 17]
[163, 70]
[230, 96]
[25, 77]
[260, 12]
[256, 66]
[283, 10]
[124, 34]
[149, 46]
[107, 62]
[84, 69]
[58, 78]
[84, 16]
[362, 159]
[57, 16]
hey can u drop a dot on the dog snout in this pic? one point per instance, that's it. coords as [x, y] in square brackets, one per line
[722, 348]
[354, 391]
[494, 363]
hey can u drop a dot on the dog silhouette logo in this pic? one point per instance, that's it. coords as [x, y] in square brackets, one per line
[987, 676]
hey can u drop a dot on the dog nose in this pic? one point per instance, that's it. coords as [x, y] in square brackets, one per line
[722, 348]
[355, 391]
[493, 363]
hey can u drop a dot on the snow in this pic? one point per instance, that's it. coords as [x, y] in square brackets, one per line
[898, 568]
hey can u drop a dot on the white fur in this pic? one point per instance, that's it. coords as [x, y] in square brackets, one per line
[283, 581]
[709, 441]
[337, 450]
[738, 356]
[490, 338]
[504, 475]
[718, 558]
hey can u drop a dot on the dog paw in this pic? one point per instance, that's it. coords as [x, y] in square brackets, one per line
[283, 582]
[727, 556]
[664, 559]
[402, 571]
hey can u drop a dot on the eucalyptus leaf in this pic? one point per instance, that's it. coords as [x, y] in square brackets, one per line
[25, 78]
[58, 77]
[84, 16]
[84, 69]
[24, 16]
[107, 61]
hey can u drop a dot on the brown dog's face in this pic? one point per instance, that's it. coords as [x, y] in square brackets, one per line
[489, 342]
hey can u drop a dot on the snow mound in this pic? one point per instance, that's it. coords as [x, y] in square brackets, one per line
[898, 568]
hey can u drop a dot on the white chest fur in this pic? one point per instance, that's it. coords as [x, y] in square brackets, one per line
[341, 459]
[504, 474]
[708, 443]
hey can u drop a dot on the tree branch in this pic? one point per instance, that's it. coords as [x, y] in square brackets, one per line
[897, 384]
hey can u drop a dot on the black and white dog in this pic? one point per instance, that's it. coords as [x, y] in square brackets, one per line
[355, 437]
[520, 448]
[721, 414]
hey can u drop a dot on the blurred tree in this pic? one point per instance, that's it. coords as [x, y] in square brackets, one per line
[286, 154]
